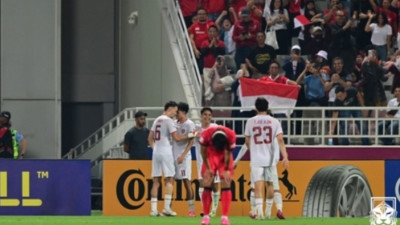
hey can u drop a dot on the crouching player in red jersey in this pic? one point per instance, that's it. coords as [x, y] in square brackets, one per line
[217, 144]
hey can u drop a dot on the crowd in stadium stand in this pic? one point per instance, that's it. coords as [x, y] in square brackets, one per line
[349, 44]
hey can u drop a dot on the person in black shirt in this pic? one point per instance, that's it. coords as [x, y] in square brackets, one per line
[260, 57]
[135, 141]
[348, 97]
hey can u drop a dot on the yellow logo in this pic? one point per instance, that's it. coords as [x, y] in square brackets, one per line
[25, 190]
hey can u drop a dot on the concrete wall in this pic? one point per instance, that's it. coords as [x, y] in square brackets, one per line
[148, 73]
[30, 72]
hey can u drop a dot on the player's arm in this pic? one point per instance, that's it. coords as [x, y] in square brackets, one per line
[240, 154]
[282, 148]
[23, 148]
[178, 137]
[187, 149]
[150, 139]
[204, 156]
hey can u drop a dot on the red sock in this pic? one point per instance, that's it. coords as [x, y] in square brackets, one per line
[226, 199]
[206, 200]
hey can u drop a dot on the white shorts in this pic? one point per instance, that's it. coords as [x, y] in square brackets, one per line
[267, 173]
[184, 170]
[162, 163]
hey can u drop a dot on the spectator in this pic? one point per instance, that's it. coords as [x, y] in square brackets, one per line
[135, 141]
[356, 74]
[260, 57]
[277, 20]
[390, 15]
[339, 77]
[322, 58]
[330, 13]
[294, 9]
[226, 31]
[274, 76]
[198, 33]
[391, 127]
[381, 37]
[360, 9]
[316, 41]
[373, 75]
[13, 143]
[244, 34]
[238, 125]
[348, 97]
[220, 88]
[188, 8]
[256, 9]
[212, 47]
[293, 68]
[214, 8]
[314, 84]
[342, 42]
[313, 30]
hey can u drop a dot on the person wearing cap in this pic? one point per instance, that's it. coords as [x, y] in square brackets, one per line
[244, 34]
[315, 41]
[135, 141]
[217, 144]
[14, 144]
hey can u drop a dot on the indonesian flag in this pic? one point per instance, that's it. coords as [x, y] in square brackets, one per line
[300, 21]
[278, 95]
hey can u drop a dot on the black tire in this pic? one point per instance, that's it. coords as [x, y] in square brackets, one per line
[337, 191]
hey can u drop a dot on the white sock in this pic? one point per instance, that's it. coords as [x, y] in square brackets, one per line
[278, 200]
[252, 201]
[215, 201]
[268, 207]
[201, 189]
[191, 205]
[259, 205]
[167, 201]
[154, 205]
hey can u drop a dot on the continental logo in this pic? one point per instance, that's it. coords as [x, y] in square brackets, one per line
[25, 200]
[133, 189]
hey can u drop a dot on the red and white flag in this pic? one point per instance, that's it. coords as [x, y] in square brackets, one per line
[300, 21]
[278, 95]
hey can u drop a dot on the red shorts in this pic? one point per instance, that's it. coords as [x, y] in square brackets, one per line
[217, 164]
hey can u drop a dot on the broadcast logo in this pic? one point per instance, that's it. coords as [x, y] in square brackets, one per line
[383, 211]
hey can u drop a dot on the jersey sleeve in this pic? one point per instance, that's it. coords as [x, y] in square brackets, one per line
[171, 126]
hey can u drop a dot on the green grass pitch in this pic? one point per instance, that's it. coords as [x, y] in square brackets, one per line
[98, 219]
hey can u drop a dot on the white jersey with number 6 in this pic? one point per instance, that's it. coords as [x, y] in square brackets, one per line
[163, 127]
[262, 130]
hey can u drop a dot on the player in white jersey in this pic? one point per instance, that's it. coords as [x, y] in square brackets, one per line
[182, 154]
[206, 118]
[260, 134]
[275, 185]
[160, 135]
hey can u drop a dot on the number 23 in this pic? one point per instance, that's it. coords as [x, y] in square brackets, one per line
[259, 138]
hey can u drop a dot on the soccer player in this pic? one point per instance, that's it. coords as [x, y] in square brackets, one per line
[182, 154]
[260, 133]
[163, 162]
[206, 118]
[217, 144]
[277, 196]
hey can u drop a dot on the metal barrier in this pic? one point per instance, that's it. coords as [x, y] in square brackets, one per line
[315, 129]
